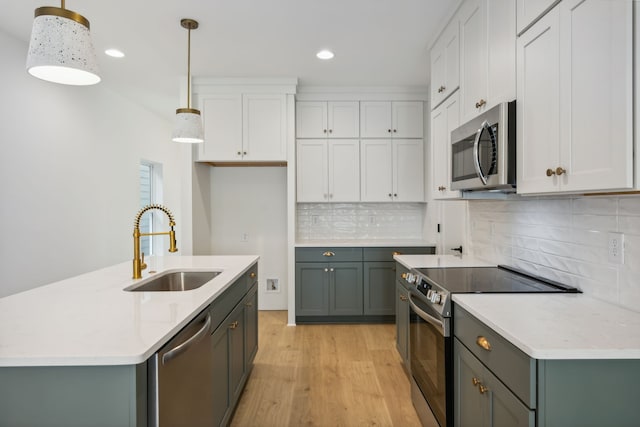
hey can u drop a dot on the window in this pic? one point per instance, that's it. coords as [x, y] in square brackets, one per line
[151, 193]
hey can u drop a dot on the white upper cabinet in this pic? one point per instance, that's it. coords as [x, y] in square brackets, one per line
[574, 113]
[487, 55]
[243, 127]
[320, 119]
[264, 125]
[445, 64]
[396, 119]
[222, 123]
[328, 170]
[530, 10]
[392, 170]
[444, 119]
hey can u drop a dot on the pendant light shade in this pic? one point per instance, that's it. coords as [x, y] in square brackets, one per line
[188, 124]
[60, 49]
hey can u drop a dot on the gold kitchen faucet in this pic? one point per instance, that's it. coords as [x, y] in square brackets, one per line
[138, 258]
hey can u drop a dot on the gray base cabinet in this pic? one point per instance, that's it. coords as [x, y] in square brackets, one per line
[402, 316]
[505, 387]
[347, 284]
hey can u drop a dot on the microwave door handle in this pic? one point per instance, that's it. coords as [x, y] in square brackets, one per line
[476, 152]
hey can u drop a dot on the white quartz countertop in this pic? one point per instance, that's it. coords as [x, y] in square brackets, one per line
[558, 326]
[440, 261]
[362, 243]
[90, 320]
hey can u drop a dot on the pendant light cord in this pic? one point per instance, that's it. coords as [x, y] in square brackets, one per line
[188, 69]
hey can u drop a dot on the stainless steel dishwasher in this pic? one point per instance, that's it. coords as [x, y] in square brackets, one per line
[181, 378]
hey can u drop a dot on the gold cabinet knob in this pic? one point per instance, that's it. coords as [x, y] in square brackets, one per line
[403, 298]
[389, 130]
[329, 253]
[475, 381]
[239, 153]
[252, 274]
[480, 103]
[233, 325]
[403, 275]
[560, 171]
[396, 253]
[483, 389]
[324, 130]
[550, 172]
[483, 343]
[248, 304]
[441, 89]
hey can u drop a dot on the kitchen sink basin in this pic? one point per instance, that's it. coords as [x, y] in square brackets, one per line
[174, 281]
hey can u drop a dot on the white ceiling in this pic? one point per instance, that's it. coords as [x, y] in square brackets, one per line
[376, 42]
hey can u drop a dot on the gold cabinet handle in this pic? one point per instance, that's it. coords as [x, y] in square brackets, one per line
[484, 343]
[403, 298]
[482, 389]
[329, 253]
[560, 171]
[249, 304]
[475, 381]
[480, 103]
[233, 325]
[252, 274]
[550, 172]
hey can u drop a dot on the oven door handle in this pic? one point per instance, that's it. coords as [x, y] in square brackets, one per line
[427, 317]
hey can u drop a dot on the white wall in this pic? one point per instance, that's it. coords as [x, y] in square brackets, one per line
[564, 239]
[252, 201]
[69, 174]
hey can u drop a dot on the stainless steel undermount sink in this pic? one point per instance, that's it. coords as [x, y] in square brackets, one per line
[174, 281]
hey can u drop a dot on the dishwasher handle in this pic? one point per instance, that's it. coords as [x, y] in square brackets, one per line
[178, 350]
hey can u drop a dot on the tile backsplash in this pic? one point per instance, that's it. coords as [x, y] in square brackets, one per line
[357, 221]
[564, 239]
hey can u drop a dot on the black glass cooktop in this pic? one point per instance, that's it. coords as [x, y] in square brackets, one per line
[490, 280]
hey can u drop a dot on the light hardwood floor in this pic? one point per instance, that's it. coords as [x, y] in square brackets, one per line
[325, 375]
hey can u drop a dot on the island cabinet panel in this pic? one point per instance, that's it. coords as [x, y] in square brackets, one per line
[71, 396]
[496, 384]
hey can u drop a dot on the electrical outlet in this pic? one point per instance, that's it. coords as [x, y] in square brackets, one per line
[273, 285]
[616, 248]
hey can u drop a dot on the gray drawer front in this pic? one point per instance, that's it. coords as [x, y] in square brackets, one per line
[400, 270]
[386, 254]
[332, 254]
[507, 362]
[224, 304]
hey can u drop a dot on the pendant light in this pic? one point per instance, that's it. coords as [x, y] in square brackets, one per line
[188, 124]
[60, 49]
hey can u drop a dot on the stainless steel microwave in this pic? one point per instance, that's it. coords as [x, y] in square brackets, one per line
[483, 151]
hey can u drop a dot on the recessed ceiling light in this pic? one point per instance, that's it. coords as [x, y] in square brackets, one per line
[325, 54]
[115, 53]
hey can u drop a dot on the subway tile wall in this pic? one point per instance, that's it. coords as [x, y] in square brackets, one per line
[357, 221]
[564, 239]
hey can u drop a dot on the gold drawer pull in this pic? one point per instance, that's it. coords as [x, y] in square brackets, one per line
[397, 253]
[475, 381]
[403, 298]
[403, 275]
[329, 253]
[560, 170]
[233, 325]
[252, 275]
[550, 172]
[483, 389]
[484, 343]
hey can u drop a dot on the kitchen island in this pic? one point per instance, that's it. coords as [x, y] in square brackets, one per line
[75, 352]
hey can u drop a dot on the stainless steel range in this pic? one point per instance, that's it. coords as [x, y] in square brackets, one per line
[430, 334]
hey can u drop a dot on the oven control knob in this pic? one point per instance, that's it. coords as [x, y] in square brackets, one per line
[411, 278]
[435, 297]
[429, 294]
